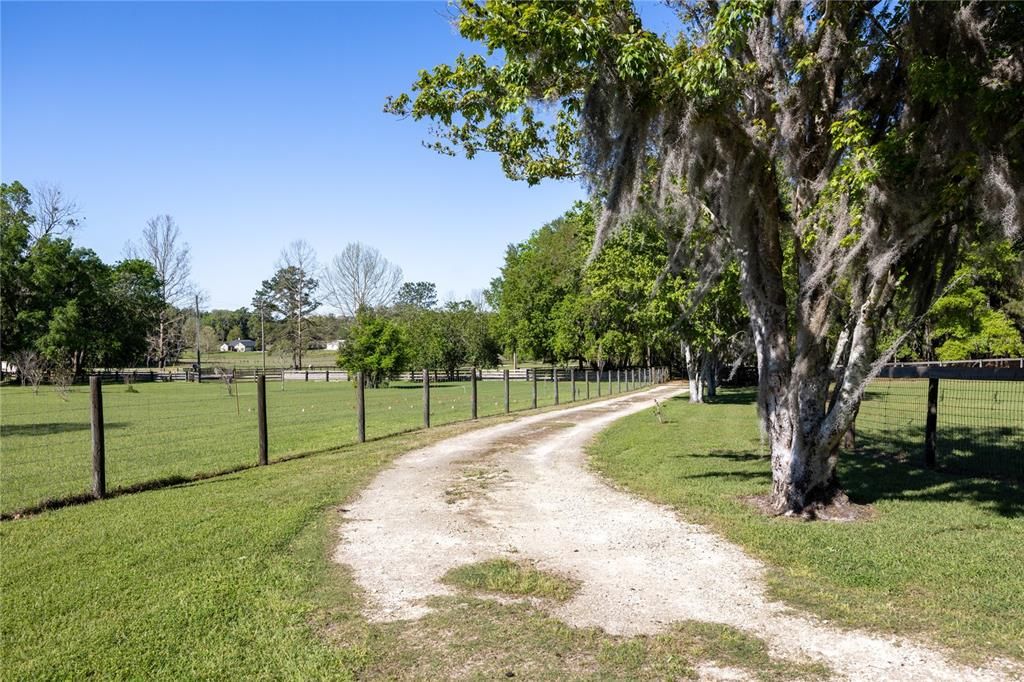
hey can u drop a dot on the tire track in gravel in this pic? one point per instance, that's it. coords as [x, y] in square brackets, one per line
[522, 490]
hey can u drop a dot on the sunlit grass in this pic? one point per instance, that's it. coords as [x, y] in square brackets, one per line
[166, 430]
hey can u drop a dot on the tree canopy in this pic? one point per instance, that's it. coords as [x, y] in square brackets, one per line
[63, 303]
[842, 153]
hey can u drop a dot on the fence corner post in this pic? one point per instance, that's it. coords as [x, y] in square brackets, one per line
[426, 398]
[931, 423]
[554, 378]
[534, 374]
[360, 407]
[261, 417]
[99, 452]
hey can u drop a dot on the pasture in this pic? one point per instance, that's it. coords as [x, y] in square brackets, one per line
[254, 359]
[167, 431]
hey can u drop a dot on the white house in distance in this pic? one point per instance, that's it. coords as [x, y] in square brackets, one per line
[239, 345]
[335, 345]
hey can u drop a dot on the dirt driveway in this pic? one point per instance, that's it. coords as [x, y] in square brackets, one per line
[523, 490]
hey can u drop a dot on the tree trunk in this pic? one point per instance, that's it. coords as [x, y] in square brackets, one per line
[708, 372]
[693, 377]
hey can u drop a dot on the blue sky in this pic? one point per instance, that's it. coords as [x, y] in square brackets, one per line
[254, 124]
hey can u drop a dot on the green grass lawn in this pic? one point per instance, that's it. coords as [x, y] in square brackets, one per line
[231, 578]
[168, 430]
[942, 554]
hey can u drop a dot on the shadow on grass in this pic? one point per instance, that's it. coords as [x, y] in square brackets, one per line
[869, 476]
[734, 396]
[989, 452]
[47, 429]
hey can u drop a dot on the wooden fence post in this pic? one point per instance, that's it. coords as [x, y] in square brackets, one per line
[572, 383]
[609, 382]
[508, 405]
[586, 380]
[618, 380]
[99, 452]
[598, 383]
[554, 378]
[472, 393]
[426, 399]
[261, 417]
[931, 422]
[360, 407]
[533, 373]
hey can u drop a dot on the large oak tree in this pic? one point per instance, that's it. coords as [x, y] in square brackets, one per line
[845, 149]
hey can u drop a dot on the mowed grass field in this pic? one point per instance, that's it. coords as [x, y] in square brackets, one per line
[252, 359]
[939, 554]
[178, 430]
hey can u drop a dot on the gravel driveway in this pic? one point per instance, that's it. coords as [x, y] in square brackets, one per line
[523, 490]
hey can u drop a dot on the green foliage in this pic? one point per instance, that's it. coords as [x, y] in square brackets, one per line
[457, 335]
[232, 324]
[622, 308]
[422, 295]
[550, 51]
[15, 222]
[288, 297]
[63, 302]
[537, 276]
[376, 346]
[974, 318]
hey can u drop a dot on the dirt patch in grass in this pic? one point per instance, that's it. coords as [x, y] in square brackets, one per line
[512, 578]
[842, 511]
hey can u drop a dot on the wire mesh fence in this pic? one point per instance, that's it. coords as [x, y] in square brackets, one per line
[978, 424]
[166, 432]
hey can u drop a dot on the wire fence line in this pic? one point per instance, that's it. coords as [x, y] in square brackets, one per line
[160, 433]
[966, 418]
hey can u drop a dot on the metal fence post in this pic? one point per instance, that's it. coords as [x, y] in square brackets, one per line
[426, 399]
[261, 416]
[554, 378]
[931, 422]
[99, 452]
[472, 392]
[360, 407]
[508, 404]
[534, 374]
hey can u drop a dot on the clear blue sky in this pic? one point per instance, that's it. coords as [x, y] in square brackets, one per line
[254, 124]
